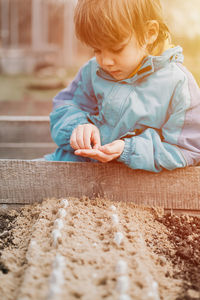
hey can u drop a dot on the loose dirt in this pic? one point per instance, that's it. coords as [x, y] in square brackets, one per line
[98, 249]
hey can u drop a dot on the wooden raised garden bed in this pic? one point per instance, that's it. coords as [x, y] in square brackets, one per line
[24, 181]
[88, 239]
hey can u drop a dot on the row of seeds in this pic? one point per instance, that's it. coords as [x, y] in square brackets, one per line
[55, 261]
[56, 279]
[121, 266]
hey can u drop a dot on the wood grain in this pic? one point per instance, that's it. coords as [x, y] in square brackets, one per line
[24, 182]
[25, 137]
[24, 129]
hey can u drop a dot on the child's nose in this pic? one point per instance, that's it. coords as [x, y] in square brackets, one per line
[106, 61]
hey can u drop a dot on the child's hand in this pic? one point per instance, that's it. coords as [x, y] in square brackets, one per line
[85, 136]
[104, 153]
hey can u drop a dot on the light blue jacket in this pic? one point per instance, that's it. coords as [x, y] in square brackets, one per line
[156, 112]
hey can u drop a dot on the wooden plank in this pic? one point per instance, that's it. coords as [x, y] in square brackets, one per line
[14, 129]
[29, 181]
[24, 118]
[25, 150]
[26, 145]
[25, 137]
[183, 212]
[5, 208]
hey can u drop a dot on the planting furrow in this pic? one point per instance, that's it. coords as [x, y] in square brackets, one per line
[40, 255]
[91, 249]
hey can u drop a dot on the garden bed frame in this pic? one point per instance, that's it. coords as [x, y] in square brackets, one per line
[25, 137]
[25, 181]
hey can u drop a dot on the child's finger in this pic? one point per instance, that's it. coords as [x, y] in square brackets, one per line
[116, 147]
[96, 146]
[92, 153]
[86, 152]
[95, 139]
[79, 137]
[87, 137]
[95, 154]
[108, 149]
[73, 142]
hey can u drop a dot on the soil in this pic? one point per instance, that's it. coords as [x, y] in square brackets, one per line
[105, 250]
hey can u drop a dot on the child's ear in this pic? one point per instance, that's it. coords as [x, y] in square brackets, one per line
[152, 30]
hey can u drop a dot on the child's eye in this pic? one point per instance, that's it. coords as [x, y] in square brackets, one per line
[117, 50]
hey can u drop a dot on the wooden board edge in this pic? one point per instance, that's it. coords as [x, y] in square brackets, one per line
[23, 181]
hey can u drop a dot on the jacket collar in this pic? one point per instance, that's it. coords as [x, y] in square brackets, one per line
[149, 65]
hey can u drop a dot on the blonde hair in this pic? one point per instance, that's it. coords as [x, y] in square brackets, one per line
[105, 23]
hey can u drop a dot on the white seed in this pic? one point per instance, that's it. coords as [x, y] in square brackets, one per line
[113, 208]
[115, 219]
[62, 212]
[58, 224]
[33, 244]
[54, 290]
[56, 237]
[155, 290]
[153, 294]
[59, 262]
[56, 277]
[118, 238]
[94, 244]
[33, 250]
[64, 203]
[124, 297]
[122, 284]
[155, 285]
[121, 267]
[150, 295]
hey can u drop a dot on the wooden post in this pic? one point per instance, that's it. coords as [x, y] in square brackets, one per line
[69, 35]
[37, 25]
[14, 24]
[5, 22]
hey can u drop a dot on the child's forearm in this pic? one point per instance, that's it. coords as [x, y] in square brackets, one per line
[71, 108]
[148, 152]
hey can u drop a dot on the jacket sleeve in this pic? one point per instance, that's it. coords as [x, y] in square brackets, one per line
[71, 108]
[177, 143]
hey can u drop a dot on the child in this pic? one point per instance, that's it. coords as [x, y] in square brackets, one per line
[134, 102]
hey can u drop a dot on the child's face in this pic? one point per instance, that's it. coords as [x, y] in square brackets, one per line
[121, 61]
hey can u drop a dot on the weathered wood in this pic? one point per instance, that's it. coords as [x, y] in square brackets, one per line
[24, 129]
[30, 181]
[5, 208]
[25, 150]
[179, 212]
[25, 137]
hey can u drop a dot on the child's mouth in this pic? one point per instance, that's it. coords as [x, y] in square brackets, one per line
[114, 73]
